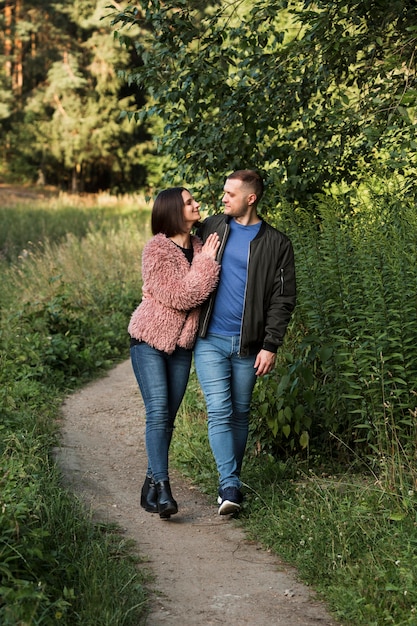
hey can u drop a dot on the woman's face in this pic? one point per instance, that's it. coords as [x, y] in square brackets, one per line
[191, 211]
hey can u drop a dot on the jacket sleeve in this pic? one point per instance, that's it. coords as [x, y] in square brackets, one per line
[170, 280]
[282, 301]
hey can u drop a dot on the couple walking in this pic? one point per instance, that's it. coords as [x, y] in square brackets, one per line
[228, 294]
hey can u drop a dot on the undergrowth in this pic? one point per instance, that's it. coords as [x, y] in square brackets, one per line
[330, 474]
[350, 539]
[65, 307]
[27, 223]
[346, 376]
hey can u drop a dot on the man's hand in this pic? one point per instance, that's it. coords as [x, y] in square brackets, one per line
[265, 362]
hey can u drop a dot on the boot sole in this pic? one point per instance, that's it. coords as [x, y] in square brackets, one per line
[167, 512]
[147, 507]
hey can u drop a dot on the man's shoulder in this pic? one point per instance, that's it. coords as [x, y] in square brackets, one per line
[212, 223]
[215, 219]
[273, 232]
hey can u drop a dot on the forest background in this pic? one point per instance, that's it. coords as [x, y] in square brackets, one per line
[321, 98]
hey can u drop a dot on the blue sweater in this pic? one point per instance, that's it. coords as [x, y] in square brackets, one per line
[226, 318]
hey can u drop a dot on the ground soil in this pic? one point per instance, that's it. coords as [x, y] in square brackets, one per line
[13, 194]
[205, 571]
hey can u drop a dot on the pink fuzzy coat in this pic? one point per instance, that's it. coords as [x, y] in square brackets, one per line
[173, 290]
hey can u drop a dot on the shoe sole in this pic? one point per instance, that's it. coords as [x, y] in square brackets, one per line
[167, 512]
[149, 509]
[227, 507]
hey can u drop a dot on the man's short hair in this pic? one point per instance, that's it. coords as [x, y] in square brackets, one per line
[252, 179]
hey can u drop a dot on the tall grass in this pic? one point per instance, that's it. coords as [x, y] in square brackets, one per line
[65, 307]
[330, 473]
[349, 370]
[26, 222]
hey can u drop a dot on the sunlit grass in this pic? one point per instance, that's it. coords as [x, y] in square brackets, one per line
[65, 306]
[27, 224]
[348, 536]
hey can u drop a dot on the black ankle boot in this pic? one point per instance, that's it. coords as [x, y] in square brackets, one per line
[166, 503]
[149, 496]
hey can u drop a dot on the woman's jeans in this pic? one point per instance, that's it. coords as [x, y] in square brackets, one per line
[227, 381]
[162, 380]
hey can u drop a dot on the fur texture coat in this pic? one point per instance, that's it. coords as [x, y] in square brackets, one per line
[173, 289]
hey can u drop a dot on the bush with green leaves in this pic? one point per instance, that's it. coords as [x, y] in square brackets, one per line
[310, 93]
[349, 368]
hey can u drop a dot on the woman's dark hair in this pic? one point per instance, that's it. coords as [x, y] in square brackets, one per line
[167, 213]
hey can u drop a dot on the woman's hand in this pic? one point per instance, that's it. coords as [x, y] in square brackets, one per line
[211, 245]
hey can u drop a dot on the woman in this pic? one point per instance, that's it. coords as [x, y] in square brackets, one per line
[178, 274]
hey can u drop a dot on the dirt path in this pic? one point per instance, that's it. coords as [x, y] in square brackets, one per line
[206, 571]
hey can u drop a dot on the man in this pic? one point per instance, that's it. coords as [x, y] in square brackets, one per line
[242, 324]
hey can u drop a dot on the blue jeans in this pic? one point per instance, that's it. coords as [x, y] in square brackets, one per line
[162, 380]
[227, 381]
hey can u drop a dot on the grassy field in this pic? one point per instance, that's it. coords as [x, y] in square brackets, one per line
[65, 303]
[330, 475]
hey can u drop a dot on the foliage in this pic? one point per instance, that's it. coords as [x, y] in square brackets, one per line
[52, 555]
[62, 125]
[72, 331]
[29, 222]
[309, 93]
[64, 314]
[349, 368]
[351, 539]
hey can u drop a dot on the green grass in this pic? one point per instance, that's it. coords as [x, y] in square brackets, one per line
[349, 538]
[26, 224]
[330, 475]
[57, 566]
[64, 313]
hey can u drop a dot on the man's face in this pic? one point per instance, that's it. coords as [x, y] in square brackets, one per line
[237, 198]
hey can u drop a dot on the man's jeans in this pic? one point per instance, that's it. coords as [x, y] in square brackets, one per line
[162, 380]
[227, 381]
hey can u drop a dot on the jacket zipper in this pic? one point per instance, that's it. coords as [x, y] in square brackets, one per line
[244, 300]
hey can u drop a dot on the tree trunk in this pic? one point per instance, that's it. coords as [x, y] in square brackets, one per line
[7, 38]
[17, 76]
[74, 180]
[13, 45]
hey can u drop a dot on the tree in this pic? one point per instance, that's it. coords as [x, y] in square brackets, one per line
[64, 117]
[310, 93]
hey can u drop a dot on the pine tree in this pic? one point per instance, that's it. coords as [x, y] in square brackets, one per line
[61, 101]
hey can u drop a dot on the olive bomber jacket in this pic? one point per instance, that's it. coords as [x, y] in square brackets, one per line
[270, 295]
